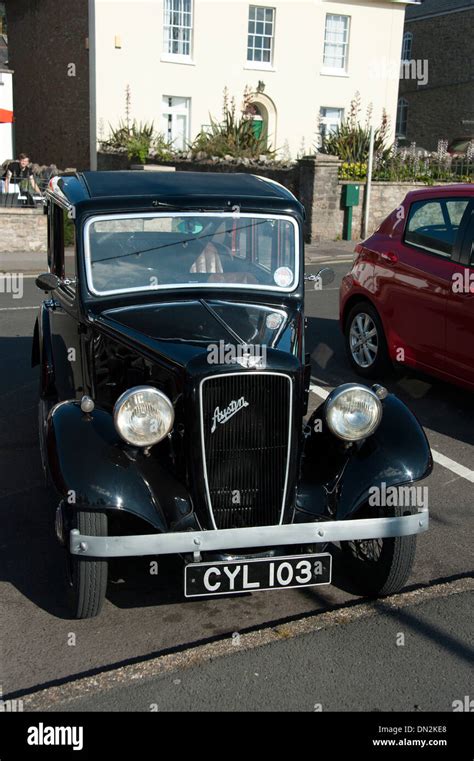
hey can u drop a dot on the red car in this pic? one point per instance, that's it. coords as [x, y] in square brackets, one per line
[409, 296]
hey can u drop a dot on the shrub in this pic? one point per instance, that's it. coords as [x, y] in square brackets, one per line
[233, 136]
[351, 139]
[135, 139]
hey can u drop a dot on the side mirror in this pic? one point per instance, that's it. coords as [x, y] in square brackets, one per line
[324, 277]
[47, 281]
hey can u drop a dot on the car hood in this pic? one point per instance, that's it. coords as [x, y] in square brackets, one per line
[180, 330]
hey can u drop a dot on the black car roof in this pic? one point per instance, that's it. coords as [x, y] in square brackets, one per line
[119, 189]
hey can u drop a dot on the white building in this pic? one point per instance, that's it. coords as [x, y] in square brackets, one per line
[6, 104]
[303, 59]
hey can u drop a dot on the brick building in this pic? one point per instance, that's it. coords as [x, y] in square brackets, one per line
[48, 52]
[439, 32]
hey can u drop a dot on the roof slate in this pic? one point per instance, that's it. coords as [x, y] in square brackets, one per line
[434, 7]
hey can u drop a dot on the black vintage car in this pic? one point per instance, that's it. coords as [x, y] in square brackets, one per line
[173, 396]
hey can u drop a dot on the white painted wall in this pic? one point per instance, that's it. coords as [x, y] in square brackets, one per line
[6, 102]
[295, 84]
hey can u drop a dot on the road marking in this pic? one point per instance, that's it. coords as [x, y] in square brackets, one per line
[446, 462]
[441, 459]
[15, 309]
[319, 391]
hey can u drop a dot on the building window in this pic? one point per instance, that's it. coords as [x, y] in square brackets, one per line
[330, 119]
[406, 47]
[175, 120]
[336, 42]
[178, 28]
[261, 34]
[402, 116]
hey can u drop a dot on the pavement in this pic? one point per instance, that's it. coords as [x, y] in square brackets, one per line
[146, 618]
[329, 250]
[417, 656]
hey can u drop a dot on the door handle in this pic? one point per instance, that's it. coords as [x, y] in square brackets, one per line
[389, 257]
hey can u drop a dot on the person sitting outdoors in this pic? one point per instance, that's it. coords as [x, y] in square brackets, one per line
[20, 173]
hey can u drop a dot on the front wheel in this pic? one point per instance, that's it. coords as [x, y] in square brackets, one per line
[87, 578]
[365, 342]
[379, 567]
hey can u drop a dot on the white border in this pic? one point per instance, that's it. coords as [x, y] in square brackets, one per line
[190, 286]
[203, 447]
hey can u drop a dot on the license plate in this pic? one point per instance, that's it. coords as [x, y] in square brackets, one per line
[237, 576]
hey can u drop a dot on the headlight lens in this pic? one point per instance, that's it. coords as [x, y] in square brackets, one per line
[353, 412]
[143, 416]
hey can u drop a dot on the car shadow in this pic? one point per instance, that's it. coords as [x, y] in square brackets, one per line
[439, 406]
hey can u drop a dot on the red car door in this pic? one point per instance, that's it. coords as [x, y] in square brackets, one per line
[460, 308]
[414, 280]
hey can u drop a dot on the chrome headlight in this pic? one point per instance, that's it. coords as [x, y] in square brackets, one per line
[353, 412]
[143, 416]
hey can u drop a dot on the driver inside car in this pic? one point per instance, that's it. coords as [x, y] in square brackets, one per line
[209, 260]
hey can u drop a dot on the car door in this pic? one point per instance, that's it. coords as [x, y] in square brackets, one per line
[460, 306]
[419, 277]
[63, 310]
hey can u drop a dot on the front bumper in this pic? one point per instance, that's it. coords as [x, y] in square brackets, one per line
[244, 538]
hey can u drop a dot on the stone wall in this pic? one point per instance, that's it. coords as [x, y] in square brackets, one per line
[23, 230]
[329, 215]
[286, 175]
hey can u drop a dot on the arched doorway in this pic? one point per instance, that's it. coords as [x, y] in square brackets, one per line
[262, 111]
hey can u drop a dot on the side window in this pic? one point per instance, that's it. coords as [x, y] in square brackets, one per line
[69, 246]
[456, 209]
[56, 239]
[61, 243]
[433, 224]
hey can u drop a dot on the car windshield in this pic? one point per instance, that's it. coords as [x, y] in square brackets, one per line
[223, 250]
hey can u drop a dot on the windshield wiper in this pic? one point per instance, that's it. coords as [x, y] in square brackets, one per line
[224, 324]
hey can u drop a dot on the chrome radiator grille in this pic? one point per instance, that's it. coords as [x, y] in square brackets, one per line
[245, 434]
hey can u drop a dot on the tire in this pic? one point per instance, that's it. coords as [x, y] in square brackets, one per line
[379, 567]
[87, 579]
[363, 319]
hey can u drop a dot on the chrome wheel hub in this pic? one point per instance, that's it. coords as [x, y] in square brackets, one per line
[363, 340]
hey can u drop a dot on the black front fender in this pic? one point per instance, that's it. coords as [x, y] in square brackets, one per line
[92, 468]
[42, 353]
[336, 481]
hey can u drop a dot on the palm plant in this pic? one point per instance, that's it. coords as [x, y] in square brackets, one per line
[350, 141]
[234, 136]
